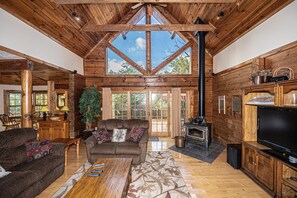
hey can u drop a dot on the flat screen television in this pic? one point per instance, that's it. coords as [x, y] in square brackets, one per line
[277, 129]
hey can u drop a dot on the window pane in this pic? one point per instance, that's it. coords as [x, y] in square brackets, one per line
[163, 46]
[117, 65]
[138, 106]
[133, 45]
[119, 106]
[180, 65]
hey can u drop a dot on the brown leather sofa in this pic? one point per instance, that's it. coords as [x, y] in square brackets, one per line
[136, 151]
[27, 179]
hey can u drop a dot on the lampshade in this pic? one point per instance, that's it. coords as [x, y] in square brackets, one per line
[65, 108]
[44, 109]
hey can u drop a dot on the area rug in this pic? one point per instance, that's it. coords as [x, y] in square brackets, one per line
[154, 139]
[158, 177]
[63, 190]
[199, 151]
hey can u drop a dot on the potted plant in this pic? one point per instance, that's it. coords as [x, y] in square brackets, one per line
[89, 105]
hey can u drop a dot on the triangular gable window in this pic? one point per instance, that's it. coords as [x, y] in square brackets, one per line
[132, 46]
[117, 65]
[180, 65]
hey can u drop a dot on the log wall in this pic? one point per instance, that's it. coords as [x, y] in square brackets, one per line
[228, 127]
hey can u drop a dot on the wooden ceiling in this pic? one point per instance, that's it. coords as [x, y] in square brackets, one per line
[11, 66]
[56, 20]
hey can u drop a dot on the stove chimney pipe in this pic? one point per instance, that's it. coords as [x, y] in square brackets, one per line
[201, 72]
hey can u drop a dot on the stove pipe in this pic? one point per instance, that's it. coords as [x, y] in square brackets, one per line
[201, 73]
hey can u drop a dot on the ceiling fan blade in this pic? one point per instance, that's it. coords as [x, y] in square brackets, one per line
[137, 5]
[161, 4]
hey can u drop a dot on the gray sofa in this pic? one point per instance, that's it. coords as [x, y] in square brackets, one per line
[136, 151]
[27, 179]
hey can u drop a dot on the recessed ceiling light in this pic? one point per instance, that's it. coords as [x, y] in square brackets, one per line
[220, 15]
[75, 16]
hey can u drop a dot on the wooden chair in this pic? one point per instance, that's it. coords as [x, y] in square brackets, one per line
[8, 122]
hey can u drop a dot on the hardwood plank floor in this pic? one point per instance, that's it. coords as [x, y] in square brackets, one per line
[217, 180]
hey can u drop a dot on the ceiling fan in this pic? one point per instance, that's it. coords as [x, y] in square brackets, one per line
[142, 4]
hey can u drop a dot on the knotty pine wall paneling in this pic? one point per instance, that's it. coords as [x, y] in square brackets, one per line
[228, 127]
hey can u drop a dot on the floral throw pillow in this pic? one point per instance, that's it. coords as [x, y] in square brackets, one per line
[38, 149]
[119, 135]
[135, 134]
[102, 136]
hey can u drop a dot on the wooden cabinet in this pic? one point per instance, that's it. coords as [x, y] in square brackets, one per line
[287, 185]
[258, 165]
[53, 129]
[270, 172]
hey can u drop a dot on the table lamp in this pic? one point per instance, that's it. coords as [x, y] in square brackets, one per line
[44, 109]
[65, 109]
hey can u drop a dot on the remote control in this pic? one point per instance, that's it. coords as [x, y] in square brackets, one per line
[93, 174]
[96, 171]
[98, 165]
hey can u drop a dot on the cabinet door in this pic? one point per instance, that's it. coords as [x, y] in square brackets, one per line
[264, 171]
[44, 133]
[248, 159]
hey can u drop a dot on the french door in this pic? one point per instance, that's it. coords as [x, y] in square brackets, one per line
[154, 106]
[159, 113]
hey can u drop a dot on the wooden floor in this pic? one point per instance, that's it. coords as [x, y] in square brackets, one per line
[217, 180]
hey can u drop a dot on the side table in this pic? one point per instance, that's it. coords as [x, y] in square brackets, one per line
[85, 134]
[69, 142]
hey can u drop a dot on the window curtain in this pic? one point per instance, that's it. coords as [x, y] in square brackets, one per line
[106, 103]
[176, 112]
[189, 105]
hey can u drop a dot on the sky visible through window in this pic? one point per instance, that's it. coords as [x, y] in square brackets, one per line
[134, 47]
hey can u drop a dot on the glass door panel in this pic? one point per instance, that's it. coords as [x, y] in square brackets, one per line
[138, 106]
[159, 108]
[120, 106]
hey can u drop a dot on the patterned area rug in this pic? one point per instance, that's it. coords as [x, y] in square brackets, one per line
[199, 151]
[72, 181]
[158, 177]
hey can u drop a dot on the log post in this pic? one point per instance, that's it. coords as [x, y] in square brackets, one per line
[27, 96]
[51, 97]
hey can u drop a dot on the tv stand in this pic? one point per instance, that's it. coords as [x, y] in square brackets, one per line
[270, 169]
[280, 156]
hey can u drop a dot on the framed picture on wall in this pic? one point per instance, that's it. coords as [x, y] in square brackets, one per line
[236, 104]
[222, 104]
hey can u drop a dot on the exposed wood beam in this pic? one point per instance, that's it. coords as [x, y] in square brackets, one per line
[171, 58]
[149, 27]
[148, 42]
[14, 65]
[139, 1]
[126, 58]
[130, 16]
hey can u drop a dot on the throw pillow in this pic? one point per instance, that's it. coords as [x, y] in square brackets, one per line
[3, 172]
[102, 135]
[38, 149]
[119, 135]
[135, 134]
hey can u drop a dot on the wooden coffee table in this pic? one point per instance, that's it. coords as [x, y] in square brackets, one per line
[113, 182]
[69, 142]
